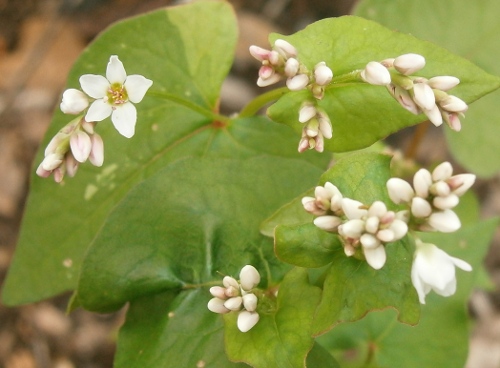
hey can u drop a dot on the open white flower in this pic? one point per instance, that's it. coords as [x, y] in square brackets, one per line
[115, 95]
[434, 269]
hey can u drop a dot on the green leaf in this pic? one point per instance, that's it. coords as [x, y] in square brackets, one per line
[469, 29]
[441, 337]
[305, 245]
[360, 113]
[320, 357]
[187, 51]
[282, 338]
[172, 329]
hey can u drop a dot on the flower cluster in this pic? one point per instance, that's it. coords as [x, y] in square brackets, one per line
[432, 197]
[417, 94]
[72, 145]
[366, 229]
[359, 226]
[317, 127]
[238, 296]
[113, 96]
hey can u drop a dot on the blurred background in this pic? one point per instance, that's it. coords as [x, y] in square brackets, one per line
[39, 41]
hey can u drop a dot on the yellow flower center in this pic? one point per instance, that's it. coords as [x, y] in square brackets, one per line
[117, 94]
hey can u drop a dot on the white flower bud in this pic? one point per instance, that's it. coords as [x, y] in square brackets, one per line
[375, 73]
[409, 63]
[285, 48]
[349, 250]
[218, 292]
[298, 82]
[322, 74]
[459, 184]
[440, 188]
[352, 208]
[442, 172]
[249, 277]
[420, 207]
[292, 66]
[275, 78]
[399, 190]
[325, 125]
[386, 235]
[399, 229]
[423, 96]
[228, 281]
[446, 221]
[403, 97]
[452, 120]
[369, 241]
[231, 292]
[216, 305]
[378, 208]
[96, 156]
[445, 203]
[71, 165]
[74, 101]
[52, 161]
[327, 223]
[250, 302]
[422, 180]
[246, 320]
[375, 257]
[259, 53]
[434, 115]
[443, 83]
[371, 224]
[234, 304]
[453, 104]
[307, 112]
[352, 228]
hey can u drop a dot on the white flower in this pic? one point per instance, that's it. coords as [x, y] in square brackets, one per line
[434, 269]
[115, 95]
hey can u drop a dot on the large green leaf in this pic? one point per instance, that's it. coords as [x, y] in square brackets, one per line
[280, 339]
[470, 29]
[187, 51]
[441, 337]
[361, 114]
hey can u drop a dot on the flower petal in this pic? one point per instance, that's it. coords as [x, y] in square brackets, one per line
[124, 118]
[98, 111]
[96, 86]
[81, 145]
[137, 86]
[115, 72]
[96, 156]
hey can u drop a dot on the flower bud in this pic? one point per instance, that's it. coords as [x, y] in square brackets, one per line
[352, 228]
[420, 207]
[249, 277]
[386, 235]
[81, 145]
[445, 203]
[399, 229]
[423, 96]
[96, 156]
[298, 82]
[352, 208]
[285, 48]
[443, 83]
[399, 190]
[422, 180]
[307, 112]
[369, 241]
[74, 101]
[327, 223]
[246, 320]
[409, 63]
[322, 74]
[371, 224]
[459, 184]
[453, 104]
[376, 74]
[52, 161]
[442, 172]
[234, 304]
[250, 302]
[375, 257]
[292, 66]
[216, 305]
[228, 281]
[218, 292]
[434, 116]
[446, 221]
[275, 78]
[325, 125]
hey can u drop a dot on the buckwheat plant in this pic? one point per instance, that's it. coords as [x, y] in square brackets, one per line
[336, 254]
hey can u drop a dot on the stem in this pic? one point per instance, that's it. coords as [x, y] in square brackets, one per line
[418, 137]
[190, 105]
[260, 101]
[197, 286]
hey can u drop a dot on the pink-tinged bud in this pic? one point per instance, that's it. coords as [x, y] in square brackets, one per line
[250, 302]
[349, 250]
[266, 72]
[59, 173]
[247, 320]
[249, 277]
[81, 145]
[375, 257]
[434, 116]
[443, 171]
[446, 203]
[303, 144]
[420, 207]
[409, 63]
[259, 53]
[371, 224]
[353, 209]
[453, 104]
[322, 74]
[52, 161]
[234, 304]
[228, 281]
[459, 184]
[216, 305]
[352, 228]
[231, 292]
[423, 96]
[388, 63]
[403, 97]
[218, 292]
[41, 172]
[292, 66]
[71, 165]
[285, 49]
[446, 221]
[307, 112]
[319, 143]
[443, 83]
[74, 101]
[96, 156]
[452, 120]
[325, 126]
[298, 82]
[399, 229]
[327, 223]
[399, 190]
[376, 74]
[275, 78]
[422, 180]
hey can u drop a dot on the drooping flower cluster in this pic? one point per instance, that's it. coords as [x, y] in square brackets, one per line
[417, 94]
[366, 229]
[317, 127]
[113, 96]
[359, 226]
[238, 296]
[72, 145]
[432, 197]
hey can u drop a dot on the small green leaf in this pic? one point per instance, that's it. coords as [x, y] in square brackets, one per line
[361, 114]
[305, 245]
[281, 339]
[469, 30]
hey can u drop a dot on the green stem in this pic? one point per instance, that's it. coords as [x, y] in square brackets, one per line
[197, 286]
[190, 105]
[260, 101]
